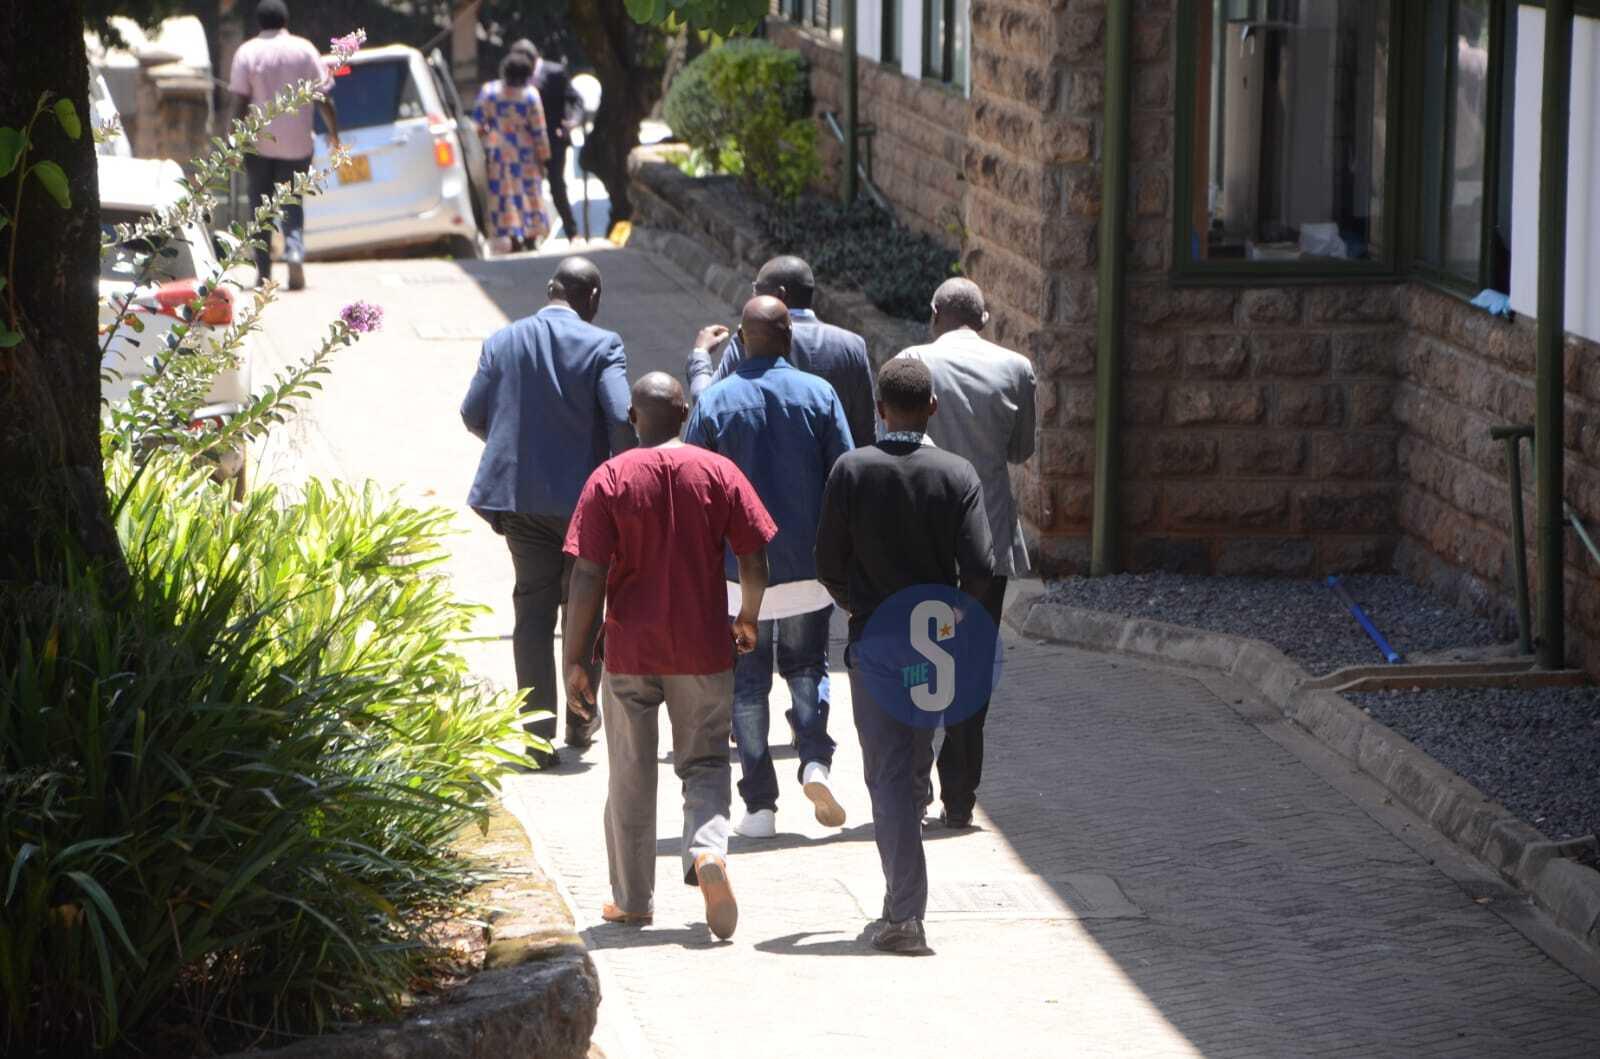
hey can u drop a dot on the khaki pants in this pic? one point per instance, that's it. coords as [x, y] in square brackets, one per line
[700, 711]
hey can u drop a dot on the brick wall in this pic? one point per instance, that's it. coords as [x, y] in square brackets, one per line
[921, 131]
[1461, 372]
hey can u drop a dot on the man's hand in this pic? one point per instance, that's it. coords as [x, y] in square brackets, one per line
[580, 693]
[710, 337]
[744, 634]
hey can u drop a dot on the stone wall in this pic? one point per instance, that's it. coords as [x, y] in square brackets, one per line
[921, 131]
[1461, 372]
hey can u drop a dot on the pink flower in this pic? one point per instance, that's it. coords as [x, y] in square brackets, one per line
[350, 42]
[362, 317]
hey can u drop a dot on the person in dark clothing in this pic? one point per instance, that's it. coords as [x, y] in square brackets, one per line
[895, 515]
[562, 104]
[548, 383]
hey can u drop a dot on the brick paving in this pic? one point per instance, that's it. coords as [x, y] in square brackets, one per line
[1278, 917]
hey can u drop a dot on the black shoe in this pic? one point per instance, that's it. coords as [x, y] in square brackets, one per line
[954, 822]
[905, 938]
[543, 759]
[297, 269]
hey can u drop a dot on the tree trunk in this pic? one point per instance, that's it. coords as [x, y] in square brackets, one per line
[629, 59]
[52, 483]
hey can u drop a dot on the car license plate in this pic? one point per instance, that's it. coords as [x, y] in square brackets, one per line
[358, 170]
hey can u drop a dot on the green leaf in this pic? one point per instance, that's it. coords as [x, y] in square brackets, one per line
[8, 337]
[55, 182]
[102, 900]
[11, 147]
[67, 115]
[28, 849]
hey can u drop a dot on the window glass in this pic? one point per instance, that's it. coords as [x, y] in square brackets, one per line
[945, 28]
[374, 93]
[1288, 155]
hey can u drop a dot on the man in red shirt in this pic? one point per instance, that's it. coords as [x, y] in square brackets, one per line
[648, 535]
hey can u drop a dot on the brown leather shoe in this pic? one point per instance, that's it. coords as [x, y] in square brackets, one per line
[722, 911]
[612, 914]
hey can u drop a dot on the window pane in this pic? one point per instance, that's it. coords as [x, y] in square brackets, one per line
[933, 39]
[1463, 219]
[890, 45]
[957, 74]
[1289, 156]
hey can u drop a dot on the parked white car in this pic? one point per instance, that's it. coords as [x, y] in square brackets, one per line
[160, 284]
[416, 165]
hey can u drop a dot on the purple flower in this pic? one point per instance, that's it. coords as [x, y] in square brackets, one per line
[350, 42]
[362, 317]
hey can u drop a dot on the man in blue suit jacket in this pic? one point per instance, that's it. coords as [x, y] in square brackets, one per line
[833, 353]
[550, 401]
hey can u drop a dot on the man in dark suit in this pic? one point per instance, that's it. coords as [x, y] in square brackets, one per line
[562, 104]
[835, 354]
[550, 401]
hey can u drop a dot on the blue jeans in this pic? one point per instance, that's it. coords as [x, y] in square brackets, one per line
[801, 644]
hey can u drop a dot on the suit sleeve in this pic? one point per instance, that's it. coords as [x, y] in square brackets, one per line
[974, 545]
[1024, 429]
[612, 393]
[833, 547]
[480, 394]
[860, 404]
[699, 369]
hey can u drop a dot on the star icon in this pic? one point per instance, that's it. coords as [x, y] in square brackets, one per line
[946, 631]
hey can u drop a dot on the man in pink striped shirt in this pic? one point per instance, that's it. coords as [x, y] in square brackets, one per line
[262, 67]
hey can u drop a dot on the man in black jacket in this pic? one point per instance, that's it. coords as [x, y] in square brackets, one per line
[561, 104]
[897, 515]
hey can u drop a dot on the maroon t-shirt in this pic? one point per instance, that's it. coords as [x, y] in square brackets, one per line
[658, 518]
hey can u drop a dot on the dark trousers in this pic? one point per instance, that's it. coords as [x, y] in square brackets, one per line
[894, 757]
[542, 574]
[961, 756]
[261, 176]
[556, 170]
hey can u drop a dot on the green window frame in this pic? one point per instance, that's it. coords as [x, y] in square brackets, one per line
[1197, 32]
[944, 41]
[889, 44]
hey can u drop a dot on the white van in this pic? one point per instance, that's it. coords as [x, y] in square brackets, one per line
[416, 165]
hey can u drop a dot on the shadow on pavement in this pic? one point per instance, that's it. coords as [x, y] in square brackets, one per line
[790, 944]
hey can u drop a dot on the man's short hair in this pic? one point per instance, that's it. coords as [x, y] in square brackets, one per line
[516, 69]
[525, 46]
[905, 385]
[791, 273]
[960, 299]
[272, 14]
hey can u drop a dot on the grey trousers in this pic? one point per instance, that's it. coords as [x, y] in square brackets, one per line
[895, 758]
[700, 711]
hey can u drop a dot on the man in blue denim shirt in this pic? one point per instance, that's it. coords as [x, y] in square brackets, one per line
[784, 429]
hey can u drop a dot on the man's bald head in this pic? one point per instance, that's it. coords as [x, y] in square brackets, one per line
[576, 284]
[789, 279]
[958, 303]
[765, 327]
[659, 408]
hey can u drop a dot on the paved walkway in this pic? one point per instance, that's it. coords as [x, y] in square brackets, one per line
[1273, 910]
[1265, 912]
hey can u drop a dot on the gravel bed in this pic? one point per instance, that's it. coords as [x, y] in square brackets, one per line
[1535, 751]
[1299, 616]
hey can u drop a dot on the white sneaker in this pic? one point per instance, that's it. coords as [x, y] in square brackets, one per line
[763, 823]
[814, 781]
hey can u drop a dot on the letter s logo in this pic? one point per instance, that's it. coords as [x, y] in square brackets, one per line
[924, 616]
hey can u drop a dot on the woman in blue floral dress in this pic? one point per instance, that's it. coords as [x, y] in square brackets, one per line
[510, 120]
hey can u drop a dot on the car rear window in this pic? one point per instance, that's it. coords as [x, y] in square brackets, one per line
[380, 92]
[169, 257]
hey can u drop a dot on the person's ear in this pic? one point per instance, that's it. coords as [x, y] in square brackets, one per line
[933, 405]
[633, 416]
[983, 322]
[782, 294]
[594, 303]
[882, 412]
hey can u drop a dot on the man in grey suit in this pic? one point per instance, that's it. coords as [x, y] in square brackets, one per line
[833, 353]
[550, 401]
[986, 414]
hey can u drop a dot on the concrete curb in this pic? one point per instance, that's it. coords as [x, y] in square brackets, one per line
[1569, 891]
[538, 995]
[706, 226]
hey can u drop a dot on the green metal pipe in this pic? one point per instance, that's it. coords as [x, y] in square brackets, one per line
[1548, 395]
[851, 181]
[1512, 438]
[1105, 544]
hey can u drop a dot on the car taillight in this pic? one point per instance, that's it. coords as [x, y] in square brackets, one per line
[169, 298]
[444, 153]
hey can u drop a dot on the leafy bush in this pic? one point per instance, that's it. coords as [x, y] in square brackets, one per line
[743, 108]
[229, 795]
[860, 246]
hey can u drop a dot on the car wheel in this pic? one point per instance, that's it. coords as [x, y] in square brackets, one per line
[472, 247]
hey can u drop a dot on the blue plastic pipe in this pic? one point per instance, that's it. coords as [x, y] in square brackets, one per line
[1390, 655]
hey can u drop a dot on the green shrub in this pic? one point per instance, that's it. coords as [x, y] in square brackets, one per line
[860, 246]
[230, 793]
[694, 112]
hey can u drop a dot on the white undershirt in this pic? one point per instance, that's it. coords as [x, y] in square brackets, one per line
[783, 601]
